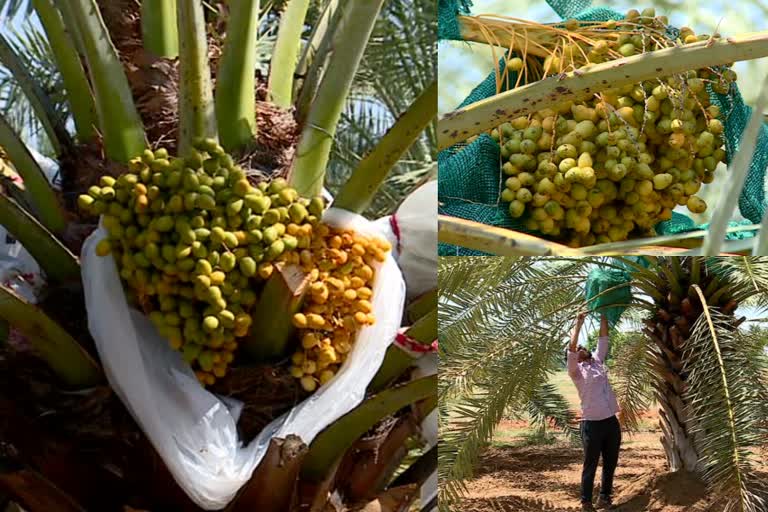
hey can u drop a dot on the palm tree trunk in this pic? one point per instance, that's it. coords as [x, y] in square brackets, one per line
[154, 82]
[677, 439]
[669, 329]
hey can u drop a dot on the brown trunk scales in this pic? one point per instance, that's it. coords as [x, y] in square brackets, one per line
[669, 329]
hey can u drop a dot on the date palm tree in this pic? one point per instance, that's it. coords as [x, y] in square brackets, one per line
[503, 328]
[96, 82]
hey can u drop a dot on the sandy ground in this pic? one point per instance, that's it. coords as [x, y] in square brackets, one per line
[540, 478]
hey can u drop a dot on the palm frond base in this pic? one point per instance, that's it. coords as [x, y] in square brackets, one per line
[87, 445]
[276, 140]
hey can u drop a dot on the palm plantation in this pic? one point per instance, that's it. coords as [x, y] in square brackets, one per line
[503, 326]
[327, 93]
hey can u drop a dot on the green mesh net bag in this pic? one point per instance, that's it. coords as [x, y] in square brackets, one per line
[607, 292]
[470, 174]
[447, 26]
[470, 181]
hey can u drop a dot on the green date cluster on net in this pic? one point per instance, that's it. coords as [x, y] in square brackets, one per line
[613, 166]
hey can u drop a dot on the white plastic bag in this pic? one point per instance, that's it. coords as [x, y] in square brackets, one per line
[412, 230]
[193, 430]
[49, 167]
[18, 269]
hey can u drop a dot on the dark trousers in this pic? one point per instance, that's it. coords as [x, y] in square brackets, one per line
[599, 438]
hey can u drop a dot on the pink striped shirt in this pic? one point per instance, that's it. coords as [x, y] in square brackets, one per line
[598, 401]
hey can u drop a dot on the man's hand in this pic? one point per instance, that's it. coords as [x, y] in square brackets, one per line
[581, 316]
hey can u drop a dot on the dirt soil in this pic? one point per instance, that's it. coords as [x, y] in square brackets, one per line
[541, 478]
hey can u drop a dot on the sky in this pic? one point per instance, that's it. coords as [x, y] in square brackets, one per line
[23, 6]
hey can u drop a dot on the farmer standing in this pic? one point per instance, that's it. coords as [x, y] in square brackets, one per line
[600, 429]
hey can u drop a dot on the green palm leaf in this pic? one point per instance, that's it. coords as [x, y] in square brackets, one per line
[397, 67]
[65, 356]
[29, 44]
[548, 405]
[749, 275]
[505, 338]
[503, 324]
[509, 382]
[58, 263]
[632, 374]
[724, 404]
[754, 343]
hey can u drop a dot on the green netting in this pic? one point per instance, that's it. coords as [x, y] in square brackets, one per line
[470, 181]
[447, 26]
[569, 8]
[612, 281]
[680, 223]
[470, 195]
[624, 262]
[752, 200]
[472, 172]
[607, 292]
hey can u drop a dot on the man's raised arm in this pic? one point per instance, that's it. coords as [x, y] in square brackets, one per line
[602, 341]
[573, 356]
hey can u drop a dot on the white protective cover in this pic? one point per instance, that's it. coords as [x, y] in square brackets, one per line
[417, 220]
[195, 431]
[49, 167]
[18, 269]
